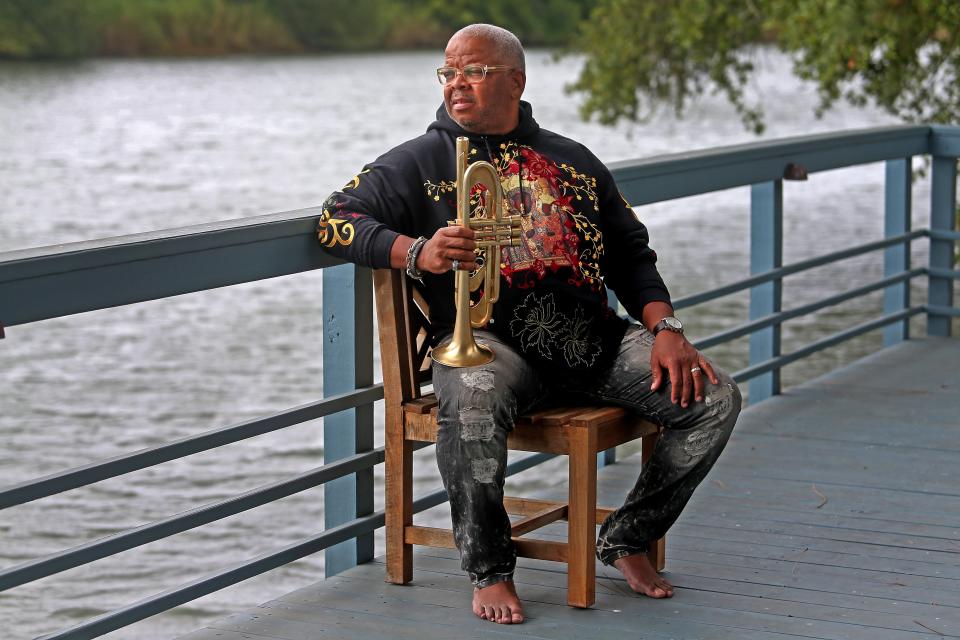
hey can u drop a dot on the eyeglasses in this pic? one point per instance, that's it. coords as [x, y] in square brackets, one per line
[472, 73]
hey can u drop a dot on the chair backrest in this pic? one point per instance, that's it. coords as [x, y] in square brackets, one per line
[405, 332]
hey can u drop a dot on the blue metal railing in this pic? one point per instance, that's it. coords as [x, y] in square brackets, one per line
[50, 282]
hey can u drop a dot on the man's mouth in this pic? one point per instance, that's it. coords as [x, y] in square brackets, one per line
[460, 103]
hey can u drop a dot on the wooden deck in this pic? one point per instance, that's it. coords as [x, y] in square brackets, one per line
[833, 513]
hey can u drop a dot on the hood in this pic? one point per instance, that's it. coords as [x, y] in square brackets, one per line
[526, 128]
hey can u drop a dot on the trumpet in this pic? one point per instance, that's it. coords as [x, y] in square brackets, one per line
[492, 231]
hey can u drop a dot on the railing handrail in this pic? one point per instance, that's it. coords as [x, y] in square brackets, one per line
[59, 280]
[42, 283]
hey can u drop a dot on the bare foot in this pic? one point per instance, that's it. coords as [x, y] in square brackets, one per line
[642, 577]
[498, 603]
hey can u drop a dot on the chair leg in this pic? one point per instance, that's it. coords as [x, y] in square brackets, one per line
[657, 554]
[582, 532]
[399, 505]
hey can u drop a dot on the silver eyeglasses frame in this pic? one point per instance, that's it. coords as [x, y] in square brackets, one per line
[472, 73]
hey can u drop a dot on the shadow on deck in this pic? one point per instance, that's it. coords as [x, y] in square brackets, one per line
[833, 513]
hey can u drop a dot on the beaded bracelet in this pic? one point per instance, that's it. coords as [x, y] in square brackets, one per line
[412, 254]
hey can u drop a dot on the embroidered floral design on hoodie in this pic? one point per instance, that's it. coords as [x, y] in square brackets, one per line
[555, 235]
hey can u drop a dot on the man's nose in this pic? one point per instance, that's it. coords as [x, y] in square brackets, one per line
[460, 80]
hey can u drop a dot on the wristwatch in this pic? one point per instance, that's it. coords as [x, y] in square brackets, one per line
[669, 323]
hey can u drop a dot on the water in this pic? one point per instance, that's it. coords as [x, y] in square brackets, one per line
[106, 148]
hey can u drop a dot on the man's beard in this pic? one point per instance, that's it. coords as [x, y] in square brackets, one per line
[472, 124]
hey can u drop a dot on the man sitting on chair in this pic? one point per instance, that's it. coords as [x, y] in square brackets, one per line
[552, 330]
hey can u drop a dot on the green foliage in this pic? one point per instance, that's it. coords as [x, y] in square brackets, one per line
[641, 54]
[190, 27]
[46, 28]
[902, 55]
[78, 28]
[321, 25]
[535, 22]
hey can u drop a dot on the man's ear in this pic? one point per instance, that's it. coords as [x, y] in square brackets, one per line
[519, 79]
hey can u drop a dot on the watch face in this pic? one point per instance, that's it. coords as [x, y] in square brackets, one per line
[673, 323]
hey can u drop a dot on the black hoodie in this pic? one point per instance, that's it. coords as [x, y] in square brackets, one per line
[579, 235]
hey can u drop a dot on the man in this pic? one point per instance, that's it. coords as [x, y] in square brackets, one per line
[552, 331]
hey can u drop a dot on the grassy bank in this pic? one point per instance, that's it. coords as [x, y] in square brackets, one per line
[53, 29]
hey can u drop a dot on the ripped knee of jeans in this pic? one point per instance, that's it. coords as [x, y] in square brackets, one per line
[477, 379]
[476, 423]
[484, 470]
[723, 400]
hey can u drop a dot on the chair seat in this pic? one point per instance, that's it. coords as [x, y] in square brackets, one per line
[546, 430]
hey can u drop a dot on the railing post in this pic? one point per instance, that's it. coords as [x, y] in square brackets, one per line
[896, 259]
[943, 208]
[347, 364]
[766, 253]
[610, 455]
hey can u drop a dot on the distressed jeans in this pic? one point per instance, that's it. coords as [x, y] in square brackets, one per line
[478, 406]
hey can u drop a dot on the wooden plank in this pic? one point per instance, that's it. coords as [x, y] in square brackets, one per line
[429, 536]
[526, 547]
[599, 417]
[732, 534]
[540, 437]
[566, 416]
[651, 615]
[537, 416]
[657, 554]
[799, 565]
[853, 583]
[211, 633]
[420, 427]
[738, 507]
[631, 429]
[399, 504]
[830, 463]
[548, 616]
[525, 506]
[723, 552]
[536, 572]
[581, 572]
[603, 513]
[541, 549]
[421, 405]
[536, 520]
[760, 524]
[293, 621]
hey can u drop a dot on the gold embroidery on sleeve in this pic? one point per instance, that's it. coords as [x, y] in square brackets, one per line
[332, 231]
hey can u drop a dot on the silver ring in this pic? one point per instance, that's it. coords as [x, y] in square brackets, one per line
[456, 265]
[695, 370]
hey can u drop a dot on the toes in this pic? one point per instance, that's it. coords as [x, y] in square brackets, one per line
[666, 587]
[661, 589]
[508, 616]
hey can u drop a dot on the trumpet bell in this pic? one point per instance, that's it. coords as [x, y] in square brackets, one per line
[463, 353]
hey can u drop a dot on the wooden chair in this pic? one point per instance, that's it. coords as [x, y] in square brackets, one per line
[579, 432]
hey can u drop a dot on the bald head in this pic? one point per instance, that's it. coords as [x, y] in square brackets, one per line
[506, 44]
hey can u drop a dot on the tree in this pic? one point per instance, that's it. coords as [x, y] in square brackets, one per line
[901, 55]
[50, 29]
